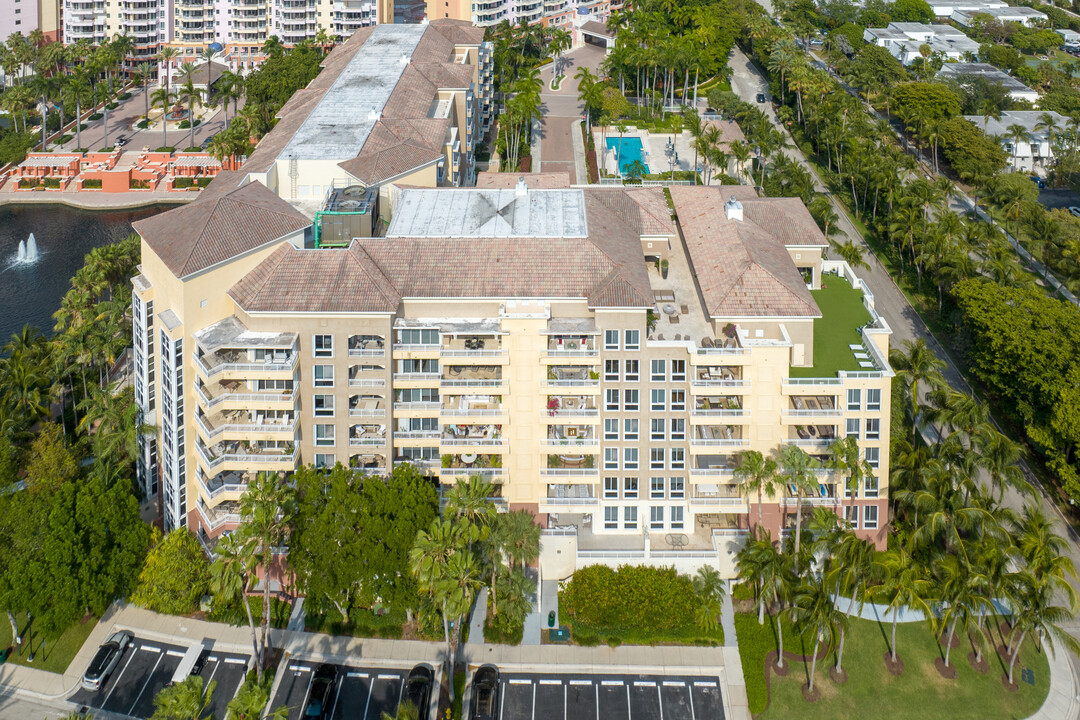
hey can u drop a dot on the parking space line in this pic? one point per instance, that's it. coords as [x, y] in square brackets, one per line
[502, 702]
[148, 679]
[401, 693]
[629, 707]
[565, 690]
[235, 661]
[116, 680]
[551, 682]
[367, 703]
[705, 684]
[693, 715]
[299, 668]
[660, 702]
[174, 653]
[581, 682]
[356, 674]
[673, 683]
[597, 688]
[612, 682]
[212, 658]
[520, 681]
[336, 696]
[307, 694]
[150, 648]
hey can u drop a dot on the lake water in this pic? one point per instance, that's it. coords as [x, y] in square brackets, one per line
[31, 293]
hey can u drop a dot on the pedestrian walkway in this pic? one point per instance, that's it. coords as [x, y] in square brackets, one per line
[533, 622]
[479, 617]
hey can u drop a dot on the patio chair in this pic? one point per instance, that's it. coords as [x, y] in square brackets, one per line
[706, 342]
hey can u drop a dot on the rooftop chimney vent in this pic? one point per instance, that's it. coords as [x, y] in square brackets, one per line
[733, 209]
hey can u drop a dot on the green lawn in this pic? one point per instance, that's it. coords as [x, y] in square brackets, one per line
[842, 314]
[919, 694]
[59, 651]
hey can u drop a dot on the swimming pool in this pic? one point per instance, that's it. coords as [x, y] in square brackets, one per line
[628, 150]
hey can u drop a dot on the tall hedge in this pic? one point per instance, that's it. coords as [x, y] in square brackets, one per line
[646, 598]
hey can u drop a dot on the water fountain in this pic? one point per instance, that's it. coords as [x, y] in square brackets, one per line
[28, 252]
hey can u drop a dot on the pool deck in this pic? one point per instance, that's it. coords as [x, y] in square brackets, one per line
[654, 146]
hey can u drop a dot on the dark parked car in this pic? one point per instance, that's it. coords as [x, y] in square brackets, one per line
[418, 689]
[485, 698]
[321, 698]
[761, 97]
[106, 659]
[1038, 181]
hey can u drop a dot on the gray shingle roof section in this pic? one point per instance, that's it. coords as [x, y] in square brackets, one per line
[339, 125]
[490, 213]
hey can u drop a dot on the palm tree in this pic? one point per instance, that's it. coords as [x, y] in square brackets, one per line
[851, 572]
[798, 472]
[1036, 614]
[406, 710]
[166, 57]
[143, 72]
[1045, 553]
[429, 560]
[588, 92]
[1016, 133]
[709, 588]
[190, 93]
[958, 586]
[847, 459]
[186, 700]
[904, 586]
[266, 510]
[761, 564]
[164, 98]
[813, 609]
[917, 368]
[756, 474]
[521, 537]
[230, 572]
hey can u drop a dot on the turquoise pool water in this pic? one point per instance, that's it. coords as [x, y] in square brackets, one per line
[627, 150]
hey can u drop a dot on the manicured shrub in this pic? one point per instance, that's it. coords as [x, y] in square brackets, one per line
[92, 183]
[644, 598]
[112, 105]
[203, 181]
[182, 182]
[51, 182]
[29, 183]
[142, 124]
[95, 116]
[124, 96]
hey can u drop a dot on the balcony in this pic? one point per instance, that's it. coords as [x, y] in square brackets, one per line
[713, 465]
[367, 406]
[242, 364]
[570, 376]
[564, 436]
[369, 463]
[225, 396]
[471, 346]
[572, 346]
[223, 483]
[243, 425]
[472, 435]
[471, 376]
[218, 517]
[473, 405]
[811, 437]
[578, 496]
[725, 376]
[567, 406]
[718, 436]
[812, 406]
[468, 464]
[367, 436]
[721, 495]
[242, 456]
[722, 407]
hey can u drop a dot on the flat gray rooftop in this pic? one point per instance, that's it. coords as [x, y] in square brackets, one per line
[490, 213]
[1028, 119]
[340, 122]
[230, 333]
[984, 69]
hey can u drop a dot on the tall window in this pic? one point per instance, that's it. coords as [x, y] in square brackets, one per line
[630, 458]
[873, 398]
[611, 458]
[611, 339]
[324, 460]
[656, 487]
[658, 399]
[611, 518]
[873, 428]
[630, 429]
[678, 458]
[656, 459]
[678, 429]
[869, 518]
[630, 399]
[324, 375]
[611, 487]
[656, 429]
[677, 487]
[656, 517]
[611, 370]
[676, 518]
[630, 517]
[324, 406]
[854, 399]
[611, 428]
[324, 435]
[611, 399]
[632, 374]
[632, 340]
[851, 427]
[324, 346]
[678, 371]
[678, 400]
[418, 337]
[873, 456]
[870, 486]
[630, 486]
[659, 370]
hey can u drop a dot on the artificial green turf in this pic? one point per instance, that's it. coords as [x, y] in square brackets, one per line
[842, 314]
[920, 693]
[58, 652]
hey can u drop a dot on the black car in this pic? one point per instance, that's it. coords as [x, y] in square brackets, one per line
[485, 697]
[418, 689]
[200, 663]
[761, 97]
[106, 660]
[321, 697]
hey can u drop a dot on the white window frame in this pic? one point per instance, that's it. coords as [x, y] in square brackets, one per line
[325, 440]
[609, 432]
[854, 399]
[875, 433]
[678, 371]
[678, 515]
[632, 340]
[678, 459]
[654, 492]
[870, 517]
[656, 517]
[321, 460]
[611, 517]
[325, 381]
[658, 399]
[676, 487]
[631, 399]
[322, 352]
[630, 487]
[678, 400]
[631, 427]
[630, 517]
[658, 368]
[611, 458]
[611, 487]
[873, 398]
[678, 428]
[871, 487]
[873, 456]
[611, 399]
[631, 371]
[657, 458]
[322, 412]
[851, 428]
[609, 335]
[657, 428]
[611, 370]
[630, 458]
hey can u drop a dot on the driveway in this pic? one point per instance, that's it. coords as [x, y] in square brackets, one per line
[122, 122]
[561, 112]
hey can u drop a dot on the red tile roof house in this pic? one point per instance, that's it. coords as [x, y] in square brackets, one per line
[38, 167]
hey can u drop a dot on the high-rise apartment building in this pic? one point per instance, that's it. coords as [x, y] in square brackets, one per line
[551, 13]
[600, 357]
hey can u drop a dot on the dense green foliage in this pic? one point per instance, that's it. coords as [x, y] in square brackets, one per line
[175, 577]
[645, 598]
[1024, 347]
[352, 533]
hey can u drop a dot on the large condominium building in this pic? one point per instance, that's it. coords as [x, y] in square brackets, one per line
[599, 356]
[25, 16]
[550, 13]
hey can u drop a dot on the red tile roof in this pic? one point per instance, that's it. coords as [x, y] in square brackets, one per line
[218, 227]
[743, 267]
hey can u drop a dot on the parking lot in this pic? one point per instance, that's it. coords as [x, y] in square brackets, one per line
[146, 667]
[361, 693]
[609, 697]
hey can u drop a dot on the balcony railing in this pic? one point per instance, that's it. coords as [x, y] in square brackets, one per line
[221, 489]
[460, 352]
[417, 347]
[367, 412]
[719, 412]
[445, 440]
[582, 501]
[269, 428]
[719, 442]
[213, 520]
[812, 413]
[367, 382]
[699, 382]
[570, 472]
[802, 382]
[417, 435]
[572, 412]
[570, 442]
[468, 471]
[820, 443]
[473, 412]
[361, 352]
[262, 458]
[253, 398]
[402, 376]
[210, 371]
[367, 441]
[577, 382]
[470, 382]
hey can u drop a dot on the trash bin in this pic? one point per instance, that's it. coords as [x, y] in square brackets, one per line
[4, 655]
[551, 619]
